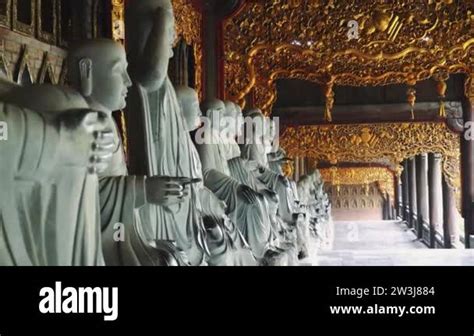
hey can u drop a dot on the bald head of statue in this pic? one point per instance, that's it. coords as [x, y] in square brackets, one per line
[189, 102]
[213, 109]
[98, 70]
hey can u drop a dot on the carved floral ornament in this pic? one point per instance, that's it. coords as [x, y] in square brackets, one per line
[369, 143]
[398, 42]
[383, 177]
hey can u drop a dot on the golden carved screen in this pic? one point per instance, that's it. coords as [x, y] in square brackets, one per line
[399, 42]
[372, 142]
[382, 177]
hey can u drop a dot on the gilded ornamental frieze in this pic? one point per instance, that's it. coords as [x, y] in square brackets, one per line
[355, 42]
[372, 142]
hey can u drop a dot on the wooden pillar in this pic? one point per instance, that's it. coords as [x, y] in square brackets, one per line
[405, 192]
[412, 192]
[422, 195]
[467, 164]
[435, 198]
[399, 198]
[450, 227]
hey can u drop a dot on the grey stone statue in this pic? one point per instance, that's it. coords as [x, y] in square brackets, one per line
[227, 246]
[49, 200]
[150, 23]
[105, 82]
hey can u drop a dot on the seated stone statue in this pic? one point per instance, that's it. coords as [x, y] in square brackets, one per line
[246, 206]
[151, 25]
[98, 68]
[49, 213]
[227, 246]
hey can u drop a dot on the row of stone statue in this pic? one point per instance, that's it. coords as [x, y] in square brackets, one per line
[66, 195]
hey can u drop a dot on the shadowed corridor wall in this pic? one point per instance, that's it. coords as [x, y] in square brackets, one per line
[356, 202]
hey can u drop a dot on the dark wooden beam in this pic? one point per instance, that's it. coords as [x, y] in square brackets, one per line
[314, 115]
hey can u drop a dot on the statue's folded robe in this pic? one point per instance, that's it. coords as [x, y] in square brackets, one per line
[49, 211]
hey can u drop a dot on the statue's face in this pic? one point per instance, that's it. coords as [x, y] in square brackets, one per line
[111, 81]
[171, 32]
[192, 112]
[217, 110]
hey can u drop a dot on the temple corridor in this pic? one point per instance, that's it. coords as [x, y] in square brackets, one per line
[385, 243]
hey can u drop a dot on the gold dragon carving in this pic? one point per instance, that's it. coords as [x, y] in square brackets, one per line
[398, 42]
[370, 143]
[383, 177]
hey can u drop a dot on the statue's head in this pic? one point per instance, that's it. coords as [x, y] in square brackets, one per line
[98, 69]
[213, 109]
[234, 120]
[255, 124]
[189, 102]
[141, 17]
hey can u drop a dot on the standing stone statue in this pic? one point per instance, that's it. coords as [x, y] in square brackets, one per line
[151, 33]
[227, 246]
[49, 213]
[98, 69]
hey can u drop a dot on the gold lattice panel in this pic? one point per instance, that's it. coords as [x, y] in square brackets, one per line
[399, 42]
[372, 142]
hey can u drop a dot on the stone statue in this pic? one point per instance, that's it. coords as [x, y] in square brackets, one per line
[104, 81]
[246, 207]
[150, 25]
[313, 196]
[227, 246]
[49, 201]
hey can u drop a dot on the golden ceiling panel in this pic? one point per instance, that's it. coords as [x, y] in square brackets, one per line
[189, 27]
[398, 42]
[372, 142]
[383, 177]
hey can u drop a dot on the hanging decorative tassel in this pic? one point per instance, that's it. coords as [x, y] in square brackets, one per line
[441, 88]
[329, 94]
[411, 98]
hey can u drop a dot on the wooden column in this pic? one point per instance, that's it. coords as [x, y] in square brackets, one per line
[412, 192]
[399, 198]
[450, 227]
[422, 195]
[405, 192]
[435, 198]
[467, 164]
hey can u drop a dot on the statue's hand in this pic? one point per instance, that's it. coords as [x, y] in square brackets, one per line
[247, 194]
[87, 140]
[165, 190]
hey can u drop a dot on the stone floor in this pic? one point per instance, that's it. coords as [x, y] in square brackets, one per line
[385, 243]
